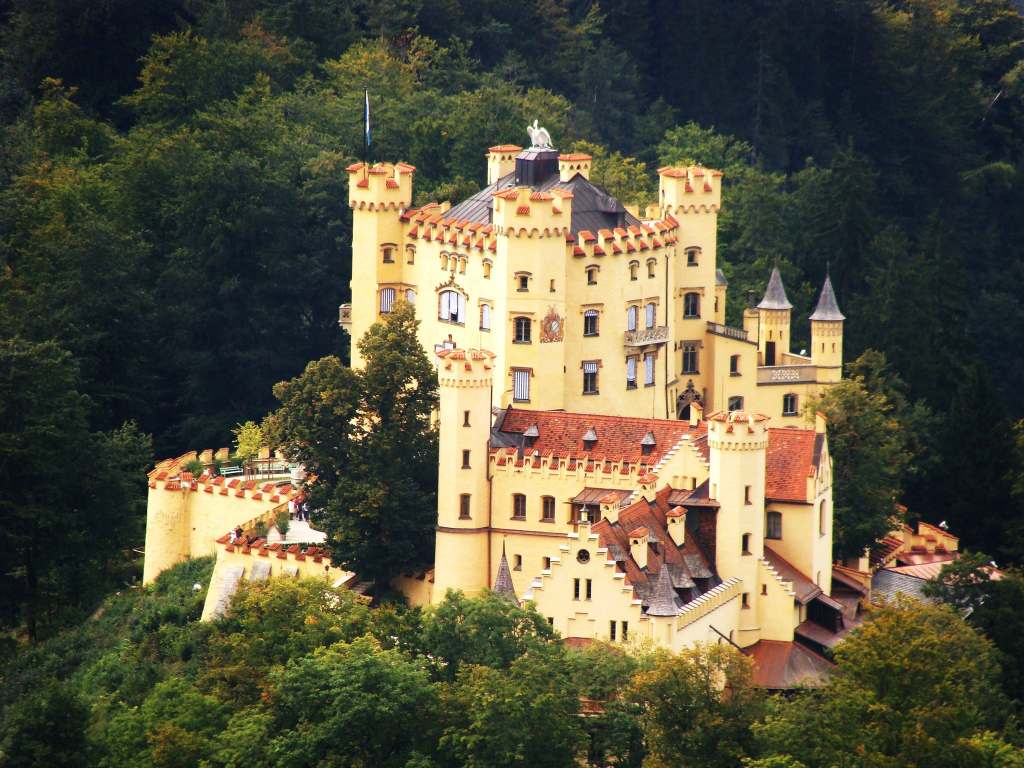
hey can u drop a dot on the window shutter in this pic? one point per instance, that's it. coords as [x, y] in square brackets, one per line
[485, 317]
[650, 315]
[590, 367]
[387, 299]
[648, 368]
[521, 385]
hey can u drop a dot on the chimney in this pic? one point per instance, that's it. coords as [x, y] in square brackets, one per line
[647, 444]
[206, 456]
[610, 508]
[571, 164]
[531, 435]
[638, 546]
[222, 454]
[696, 411]
[501, 161]
[676, 520]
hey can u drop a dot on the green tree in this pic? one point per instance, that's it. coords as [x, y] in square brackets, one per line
[526, 714]
[485, 631]
[46, 728]
[356, 702]
[871, 449]
[625, 178]
[698, 707]
[912, 684]
[367, 437]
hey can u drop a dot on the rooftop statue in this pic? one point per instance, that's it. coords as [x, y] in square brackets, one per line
[539, 137]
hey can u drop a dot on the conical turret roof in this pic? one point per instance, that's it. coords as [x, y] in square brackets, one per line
[775, 294]
[662, 600]
[503, 581]
[828, 307]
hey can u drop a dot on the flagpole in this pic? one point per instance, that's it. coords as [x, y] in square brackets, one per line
[366, 126]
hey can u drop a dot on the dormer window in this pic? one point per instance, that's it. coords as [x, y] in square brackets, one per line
[647, 444]
[590, 439]
[531, 435]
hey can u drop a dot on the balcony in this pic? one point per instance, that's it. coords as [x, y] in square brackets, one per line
[729, 332]
[646, 336]
[345, 314]
[787, 374]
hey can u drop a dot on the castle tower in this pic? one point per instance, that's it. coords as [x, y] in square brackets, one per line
[501, 160]
[167, 527]
[693, 196]
[571, 164]
[774, 312]
[378, 195]
[827, 335]
[738, 441]
[463, 503]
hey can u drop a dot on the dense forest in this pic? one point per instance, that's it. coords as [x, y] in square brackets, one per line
[298, 674]
[174, 235]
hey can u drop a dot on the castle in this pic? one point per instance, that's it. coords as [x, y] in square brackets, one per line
[610, 449]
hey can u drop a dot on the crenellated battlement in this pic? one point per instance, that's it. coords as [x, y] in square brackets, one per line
[524, 212]
[646, 239]
[692, 189]
[463, 368]
[381, 186]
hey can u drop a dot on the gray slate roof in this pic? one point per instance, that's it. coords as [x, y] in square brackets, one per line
[662, 599]
[592, 207]
[775, 295]
[888, 584]
[503, 581]
[828, 307]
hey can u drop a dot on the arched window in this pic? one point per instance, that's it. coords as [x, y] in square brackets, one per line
[651, 264]
[692, 257]
[592, 275]
[590, 322]
[452, 307]
[518, 506]
[822, 519]
[634, 270]
[691, 305]
[463, 261]
[410, 254]
[387, 300]
[652, 314]
[485, 317]
[547, 509]
[631, 317]
[522, 330]
[444, 261]
[773, 525]
[487, 269]
[410, 295]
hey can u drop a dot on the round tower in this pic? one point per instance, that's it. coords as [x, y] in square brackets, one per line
[463, 494]
[167, 524]
[774, 313]
[738, 441]
[827, 335]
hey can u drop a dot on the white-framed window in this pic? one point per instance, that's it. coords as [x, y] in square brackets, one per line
[522, 327]
[485, 317]
[387, 300]
[652, 314]
[521, 385]
[631, 372]
[590, 377]
[590, 322]
[691, 305]
[631, 317]
[648, 369]
[789, 404]
[452, 307]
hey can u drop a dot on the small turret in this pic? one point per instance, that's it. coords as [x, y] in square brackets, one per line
[501, 161]
[774, 312]
[571, 164]
[503, 585]
[827, 334]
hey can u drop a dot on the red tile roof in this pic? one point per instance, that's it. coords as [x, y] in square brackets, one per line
[618, 437]
[790, 461]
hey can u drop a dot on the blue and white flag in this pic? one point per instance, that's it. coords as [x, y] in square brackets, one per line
[366, 116]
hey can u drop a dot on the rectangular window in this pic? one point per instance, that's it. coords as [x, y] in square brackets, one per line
[518, 560]
[590, 377]
[590, 322]
[590, 588]
[518, 507]
[650, 268]
[387, 300]
[691, 305]
[485, 317]
[652, 314]
[625, 631]
[691, 257]
[465, 459]
[464, 506]
[611, 630]
[745, 600]
[521, 385]
[631, 372]
[522, 326]
[465, 418]
[631, 317]
[524, 283]
[746, 494]
[546, 562]
[745, 544]
[389, 256]
[736, 403]
[690, 358]
[734, 365]
[575, 589]
[773, 525]
[649, 369]
[789, 405]
[548, 509]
